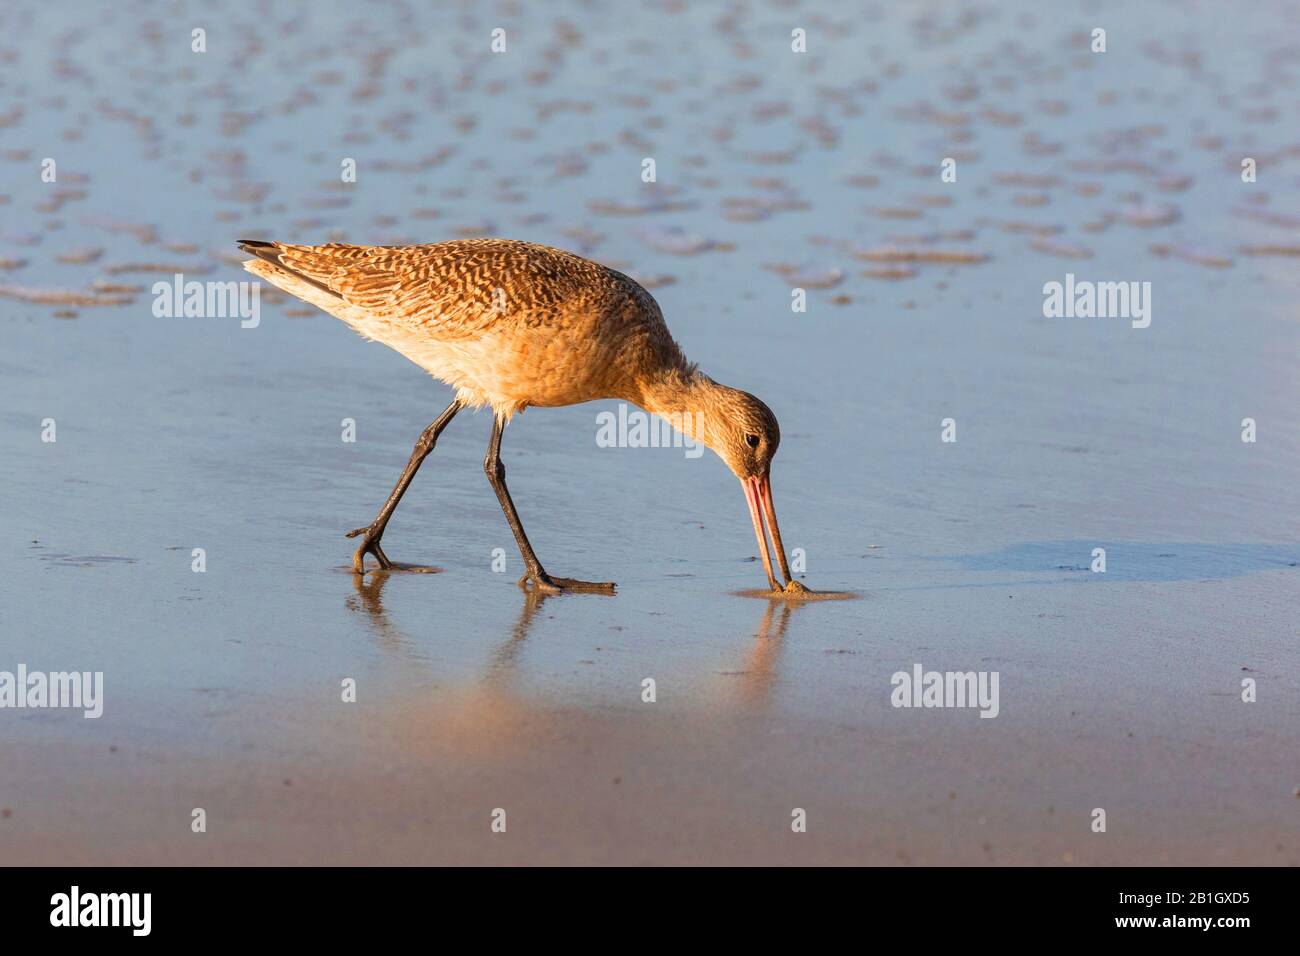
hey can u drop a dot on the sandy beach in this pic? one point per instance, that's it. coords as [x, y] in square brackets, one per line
[225, 688]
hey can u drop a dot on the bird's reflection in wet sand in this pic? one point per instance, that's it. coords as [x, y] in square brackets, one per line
[759, 676]
[369, 600]
[505, 657]
[756, 679]
[484, 716]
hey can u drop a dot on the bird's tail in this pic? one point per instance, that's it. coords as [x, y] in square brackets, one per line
[270, 252]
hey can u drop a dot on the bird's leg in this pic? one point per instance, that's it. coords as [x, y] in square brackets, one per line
[375, 530]
[496, 474]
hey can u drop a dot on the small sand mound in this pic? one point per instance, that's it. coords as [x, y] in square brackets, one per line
[794, 591]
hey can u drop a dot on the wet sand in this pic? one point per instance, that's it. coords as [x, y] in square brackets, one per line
[761, 710]
[1118, 690]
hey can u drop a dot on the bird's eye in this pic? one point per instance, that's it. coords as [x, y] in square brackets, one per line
[751, 440]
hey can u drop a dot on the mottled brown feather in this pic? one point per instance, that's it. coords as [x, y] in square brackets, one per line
[506, 323]
[449, 290]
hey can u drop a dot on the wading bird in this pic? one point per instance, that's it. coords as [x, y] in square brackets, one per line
[511, 324]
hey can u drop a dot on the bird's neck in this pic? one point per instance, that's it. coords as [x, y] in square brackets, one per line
[682, 396]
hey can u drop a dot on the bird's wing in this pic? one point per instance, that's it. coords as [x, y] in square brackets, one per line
[448, 290]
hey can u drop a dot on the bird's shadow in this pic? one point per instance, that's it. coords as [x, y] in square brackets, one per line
[1132, 560]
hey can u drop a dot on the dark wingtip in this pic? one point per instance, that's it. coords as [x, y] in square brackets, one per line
[260, 249]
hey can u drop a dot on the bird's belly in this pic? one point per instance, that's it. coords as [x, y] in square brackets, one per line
[510, 372]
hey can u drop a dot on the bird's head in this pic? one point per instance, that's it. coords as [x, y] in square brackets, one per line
[744, 433]
[742, 430]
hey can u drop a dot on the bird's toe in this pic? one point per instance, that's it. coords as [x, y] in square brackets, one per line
[553, 585]
[370, 546]
[573, 584]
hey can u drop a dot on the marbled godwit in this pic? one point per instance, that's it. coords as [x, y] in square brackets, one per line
[511, 324]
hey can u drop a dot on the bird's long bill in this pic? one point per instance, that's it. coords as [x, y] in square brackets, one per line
[758, 495]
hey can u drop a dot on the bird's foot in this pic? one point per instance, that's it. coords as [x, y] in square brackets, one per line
[541, 581]
[369, 545]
